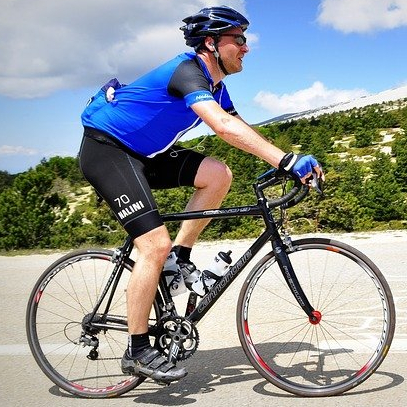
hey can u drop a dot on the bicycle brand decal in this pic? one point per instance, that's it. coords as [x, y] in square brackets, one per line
[249, 294]
[292, 285]
[174, 351]
[225, 280]
[117, 386]
[54, 272]
[227, 211]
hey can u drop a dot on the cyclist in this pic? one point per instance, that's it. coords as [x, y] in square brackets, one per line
[128, 148]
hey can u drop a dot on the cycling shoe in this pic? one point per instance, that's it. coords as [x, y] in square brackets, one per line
[150, 363]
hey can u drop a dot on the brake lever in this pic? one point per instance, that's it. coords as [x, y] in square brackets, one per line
[317, 184]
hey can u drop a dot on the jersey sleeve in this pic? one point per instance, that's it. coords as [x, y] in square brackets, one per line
[189, 82]
[223, 98]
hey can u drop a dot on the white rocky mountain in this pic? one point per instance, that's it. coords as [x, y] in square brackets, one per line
[381, 97]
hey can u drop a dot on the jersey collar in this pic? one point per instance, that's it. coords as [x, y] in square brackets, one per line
[208, 76]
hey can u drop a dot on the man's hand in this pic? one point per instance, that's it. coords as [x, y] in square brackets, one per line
[303, 166]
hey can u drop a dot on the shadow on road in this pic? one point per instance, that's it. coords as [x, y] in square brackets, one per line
[211, 370]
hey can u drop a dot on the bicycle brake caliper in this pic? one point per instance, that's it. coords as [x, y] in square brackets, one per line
[116, 255]
[288, 242]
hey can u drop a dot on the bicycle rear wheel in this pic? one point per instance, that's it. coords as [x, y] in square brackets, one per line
[60, 305]
[355, 327]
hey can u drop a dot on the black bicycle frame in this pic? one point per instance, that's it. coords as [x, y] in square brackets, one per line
[270, 234]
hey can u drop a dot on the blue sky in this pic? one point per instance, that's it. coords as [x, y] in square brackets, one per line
[303, 54]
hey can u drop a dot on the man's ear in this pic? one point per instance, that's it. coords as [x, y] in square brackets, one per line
[210, 44]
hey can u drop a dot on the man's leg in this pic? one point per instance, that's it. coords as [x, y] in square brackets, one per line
[140, 357]
[212, 183]
[152, 250]
[120, 179]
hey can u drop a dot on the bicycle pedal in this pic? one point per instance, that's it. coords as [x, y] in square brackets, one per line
[163, 384]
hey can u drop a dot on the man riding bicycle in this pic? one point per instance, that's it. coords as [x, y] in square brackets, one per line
[128, 149]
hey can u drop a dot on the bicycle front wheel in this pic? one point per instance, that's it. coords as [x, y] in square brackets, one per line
[77, 356]
[351, 337]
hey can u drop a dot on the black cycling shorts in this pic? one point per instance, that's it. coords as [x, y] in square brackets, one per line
[124, 179]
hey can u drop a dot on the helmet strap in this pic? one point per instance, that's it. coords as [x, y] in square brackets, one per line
[218, 58]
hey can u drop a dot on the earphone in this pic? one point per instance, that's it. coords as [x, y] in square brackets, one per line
[215, 52]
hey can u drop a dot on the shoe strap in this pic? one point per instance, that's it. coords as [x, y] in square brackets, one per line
[153, 359]
[148, 355]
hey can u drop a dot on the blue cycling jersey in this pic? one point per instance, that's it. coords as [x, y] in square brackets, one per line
[152, 113]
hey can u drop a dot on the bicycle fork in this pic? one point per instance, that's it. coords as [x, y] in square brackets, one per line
[290, 277]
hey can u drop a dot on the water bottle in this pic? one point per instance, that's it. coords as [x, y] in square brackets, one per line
[201, 283]
[173, 276]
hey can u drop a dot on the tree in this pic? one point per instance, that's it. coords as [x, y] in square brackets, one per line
[383, 197]
[364, 137]
[283, 142]
[6, 180]
[28, 211]
[400, 151]
[65, 168]
[339, 213]
[351, 178]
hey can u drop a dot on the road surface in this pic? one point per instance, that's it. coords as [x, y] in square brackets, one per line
[219, 373]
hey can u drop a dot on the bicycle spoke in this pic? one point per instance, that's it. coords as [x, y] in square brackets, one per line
[84, 363]
[330, 355]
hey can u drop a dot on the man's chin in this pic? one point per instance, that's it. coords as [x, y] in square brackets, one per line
[237, 69]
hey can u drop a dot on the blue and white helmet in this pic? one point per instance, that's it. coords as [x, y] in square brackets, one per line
[211, 21]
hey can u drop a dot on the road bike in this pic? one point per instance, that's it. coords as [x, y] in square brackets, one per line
[315, 316]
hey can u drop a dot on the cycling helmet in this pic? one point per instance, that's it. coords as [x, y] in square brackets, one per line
[211, 21]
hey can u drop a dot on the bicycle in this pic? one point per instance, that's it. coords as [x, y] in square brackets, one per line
[315, 317]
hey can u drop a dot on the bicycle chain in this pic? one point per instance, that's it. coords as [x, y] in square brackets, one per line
[171, 328]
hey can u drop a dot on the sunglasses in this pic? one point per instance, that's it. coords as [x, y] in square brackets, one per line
[240, 39]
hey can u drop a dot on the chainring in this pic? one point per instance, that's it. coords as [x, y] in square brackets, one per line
[180, 330]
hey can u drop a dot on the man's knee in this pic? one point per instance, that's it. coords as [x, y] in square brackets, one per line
[213, 172]
[154, 245]
[225, 172]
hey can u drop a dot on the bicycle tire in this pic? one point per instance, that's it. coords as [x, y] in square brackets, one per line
[354, 333]
[66, 292]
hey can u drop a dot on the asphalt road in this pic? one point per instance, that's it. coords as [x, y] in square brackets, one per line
[219, 374]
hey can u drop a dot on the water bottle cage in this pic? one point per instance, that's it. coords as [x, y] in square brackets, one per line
[209, 275]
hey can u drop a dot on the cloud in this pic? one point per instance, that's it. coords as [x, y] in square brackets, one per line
[6, 150]
[315, 96]
[252, 40]
[363, 16]
[48, 45]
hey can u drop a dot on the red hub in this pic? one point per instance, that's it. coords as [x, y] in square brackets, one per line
[315, 318]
